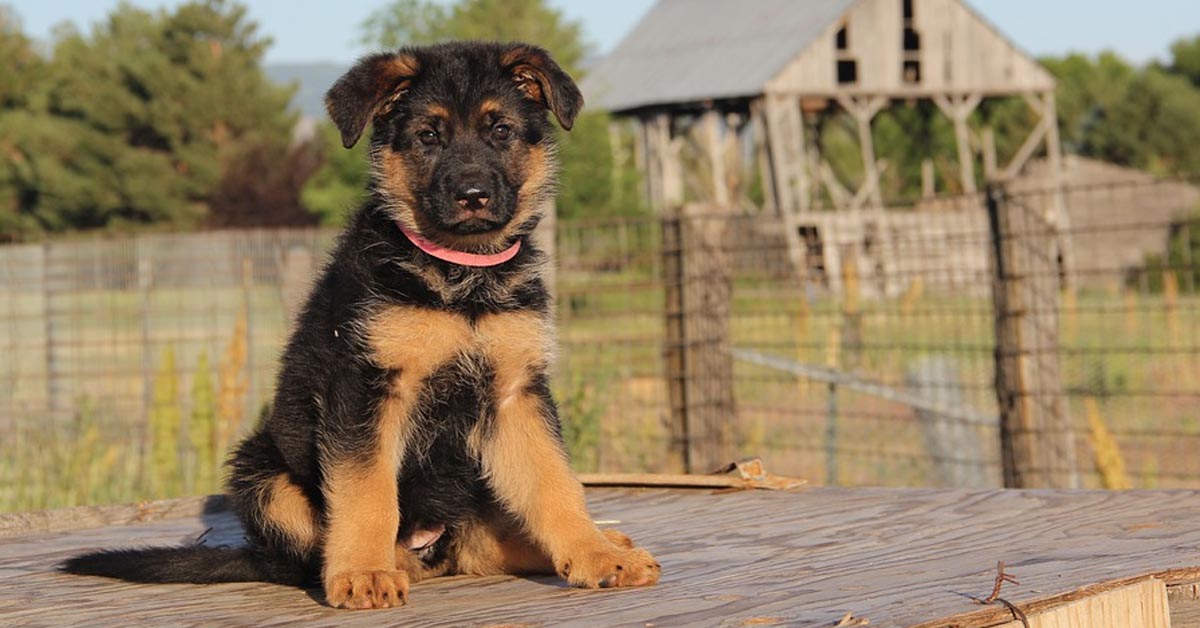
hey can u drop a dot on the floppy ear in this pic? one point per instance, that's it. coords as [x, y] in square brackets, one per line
[540, 78]
[368, 89]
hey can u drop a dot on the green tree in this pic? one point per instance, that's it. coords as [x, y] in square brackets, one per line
[138, 121]
[21, 62]
[414, 22]
[22, 65]
[1185, 58]
[339, 184]
[1145, 118]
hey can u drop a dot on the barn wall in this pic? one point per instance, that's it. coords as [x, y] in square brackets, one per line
[960, 52]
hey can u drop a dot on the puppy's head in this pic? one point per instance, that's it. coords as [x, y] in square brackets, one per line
[461, 149]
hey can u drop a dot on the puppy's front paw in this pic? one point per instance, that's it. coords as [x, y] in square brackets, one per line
[618, 538]
[611, 567]
[367, 589]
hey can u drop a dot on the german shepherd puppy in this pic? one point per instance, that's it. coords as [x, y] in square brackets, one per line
[413, 433]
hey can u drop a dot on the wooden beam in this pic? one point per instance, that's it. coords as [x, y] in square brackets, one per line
[928, 182]
[785, 148]
[837, 192]
[864, 111]
[713, 148]
[1061, 213]
[782, 146]
[1026, 151]
[809, 183]
[618, 157]
[798, 165]
[958, 109]
[990, 168]
[870, 189]
[758, 127]
[652, 165]
[670, 170]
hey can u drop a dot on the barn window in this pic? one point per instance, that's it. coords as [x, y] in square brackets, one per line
[910, 65]
[912, 40]
[843, 40]
[847, 71]
[912, 71]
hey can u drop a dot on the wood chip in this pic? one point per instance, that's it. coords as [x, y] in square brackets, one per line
[850, 620]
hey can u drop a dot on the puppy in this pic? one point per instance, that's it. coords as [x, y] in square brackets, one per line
[413, 433]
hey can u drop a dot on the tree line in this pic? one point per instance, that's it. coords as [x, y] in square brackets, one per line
[165, 119]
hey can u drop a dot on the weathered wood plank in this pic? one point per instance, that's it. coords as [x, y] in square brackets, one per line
[1184, 599]
[1142, 604]
[896, 557]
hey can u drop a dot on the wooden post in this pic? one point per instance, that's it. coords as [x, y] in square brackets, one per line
[666, 152]
[990, 168]
[783, 151]
[1061, 213]
[618, 160]
[1037, 440]
[758, 122]
[672, 252]
[699, 363]
[958, 109]
[786, 149]
[928, 182]
[648, 164]
[716, 158]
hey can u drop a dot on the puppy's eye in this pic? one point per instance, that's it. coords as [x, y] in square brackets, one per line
[428, 137]
[501, 132]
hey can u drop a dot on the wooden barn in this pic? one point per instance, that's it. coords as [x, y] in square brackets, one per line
[720, 94]
[694, 71]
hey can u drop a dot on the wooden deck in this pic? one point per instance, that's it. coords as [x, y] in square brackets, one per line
[747, 558]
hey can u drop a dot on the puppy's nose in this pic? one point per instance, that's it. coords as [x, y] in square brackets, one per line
[472, 197]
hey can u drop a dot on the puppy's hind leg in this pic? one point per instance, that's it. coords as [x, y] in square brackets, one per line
[493, 547]
[281, 522]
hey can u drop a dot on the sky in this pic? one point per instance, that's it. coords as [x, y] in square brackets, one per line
[323, 30]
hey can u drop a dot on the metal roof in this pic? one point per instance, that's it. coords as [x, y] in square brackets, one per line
[696, 50]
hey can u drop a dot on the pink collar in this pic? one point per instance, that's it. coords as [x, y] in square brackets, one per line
[459, 257]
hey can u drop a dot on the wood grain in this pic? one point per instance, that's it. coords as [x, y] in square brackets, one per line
[898, 557]
[1142, 604]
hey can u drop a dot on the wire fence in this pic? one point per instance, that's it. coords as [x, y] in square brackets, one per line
[866, 351]
[860, 350]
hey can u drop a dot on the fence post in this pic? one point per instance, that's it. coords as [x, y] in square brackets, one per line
[1036, 438]
[699, 363]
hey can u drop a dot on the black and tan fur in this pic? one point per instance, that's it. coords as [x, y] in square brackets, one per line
[414, 394]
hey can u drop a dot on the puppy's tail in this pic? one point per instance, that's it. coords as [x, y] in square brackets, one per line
[196, 564]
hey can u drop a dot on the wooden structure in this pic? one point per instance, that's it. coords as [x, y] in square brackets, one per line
[712, 86]
[1037, 439]
[898, 558]
[699, 294]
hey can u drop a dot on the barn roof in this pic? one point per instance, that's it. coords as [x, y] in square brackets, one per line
[695, 50]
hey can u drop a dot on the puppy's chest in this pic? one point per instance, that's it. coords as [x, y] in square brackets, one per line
[415, 342]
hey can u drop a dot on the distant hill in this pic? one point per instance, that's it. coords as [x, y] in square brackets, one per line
[312, 78]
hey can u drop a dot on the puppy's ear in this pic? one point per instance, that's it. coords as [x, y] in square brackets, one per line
[367, 90]
[540, 78]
